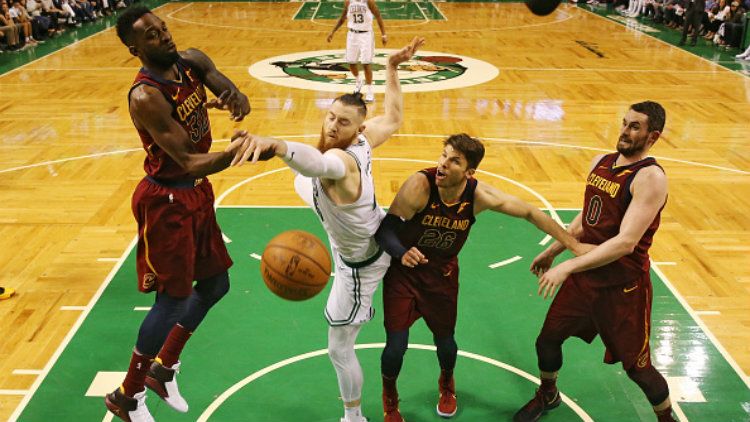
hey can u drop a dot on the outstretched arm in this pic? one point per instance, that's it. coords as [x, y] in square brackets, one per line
[151, 112]
[306, 160]
[339, 22]
[229, 96]
[487, 197]
[380, 128]
[410, 199]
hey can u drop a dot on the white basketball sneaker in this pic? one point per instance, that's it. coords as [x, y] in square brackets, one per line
[163, 381]
[129, 409]
[370, 96]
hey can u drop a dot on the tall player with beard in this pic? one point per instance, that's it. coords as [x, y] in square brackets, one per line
[426, 227]
[179, 240]
[608, 290]
[336, 179]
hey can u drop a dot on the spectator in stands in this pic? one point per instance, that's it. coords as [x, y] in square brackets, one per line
[17, 14]
[730, 32]
[693, 17]
[11, 30]
[673, 11]
[57, 15]
[716, 18]
[40, 23]
[70, 13]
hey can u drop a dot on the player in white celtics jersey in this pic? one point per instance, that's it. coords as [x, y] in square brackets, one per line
[360, 39]
[336, 180]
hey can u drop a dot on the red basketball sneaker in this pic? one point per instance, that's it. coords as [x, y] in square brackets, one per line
[129, 409]
[541, 403]
[390, 408]
[163, 381]
[447, 405]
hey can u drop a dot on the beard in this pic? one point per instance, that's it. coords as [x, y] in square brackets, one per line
[164, 60]
[324, 146]
[631, 149]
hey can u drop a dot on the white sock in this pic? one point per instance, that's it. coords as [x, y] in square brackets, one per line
[353, 414]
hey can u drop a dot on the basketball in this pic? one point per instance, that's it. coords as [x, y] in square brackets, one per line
[295, 265]
[542, 7]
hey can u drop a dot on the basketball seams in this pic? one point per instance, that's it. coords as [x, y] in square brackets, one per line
[309, 258]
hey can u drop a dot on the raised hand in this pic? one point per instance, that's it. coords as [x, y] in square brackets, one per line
[407, 52]
[234, 101]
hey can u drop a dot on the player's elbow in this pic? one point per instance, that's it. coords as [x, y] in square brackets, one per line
[627, 245]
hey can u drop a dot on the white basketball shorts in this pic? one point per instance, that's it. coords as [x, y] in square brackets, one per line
[350, 300]
[359, 47]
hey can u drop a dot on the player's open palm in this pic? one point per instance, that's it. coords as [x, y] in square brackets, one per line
[551, 280]
[407, 52]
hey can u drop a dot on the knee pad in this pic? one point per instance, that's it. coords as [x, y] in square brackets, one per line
[651, 382]
[549, 354]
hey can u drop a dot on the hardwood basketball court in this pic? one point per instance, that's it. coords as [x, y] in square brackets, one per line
[71, 158]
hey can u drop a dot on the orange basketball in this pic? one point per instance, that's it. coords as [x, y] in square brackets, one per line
[296, 265]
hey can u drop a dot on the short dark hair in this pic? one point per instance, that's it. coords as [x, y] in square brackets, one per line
[126, 20]
[355, 99]
[655, 112]
[471, 148]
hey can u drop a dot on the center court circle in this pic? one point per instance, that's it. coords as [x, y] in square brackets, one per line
[324, 352]
[327, 70]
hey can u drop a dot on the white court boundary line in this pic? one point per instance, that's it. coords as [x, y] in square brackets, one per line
[407, 135]
[73, 330]
[268, 369]
[702, 325]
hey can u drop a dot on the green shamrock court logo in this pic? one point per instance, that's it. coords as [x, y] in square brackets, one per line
[328, 71]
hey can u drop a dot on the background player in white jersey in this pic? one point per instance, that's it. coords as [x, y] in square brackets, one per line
[360, 39]
[336, 178]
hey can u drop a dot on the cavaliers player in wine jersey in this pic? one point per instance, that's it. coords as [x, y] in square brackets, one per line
[424, 230]
[179, 241]
[608, 290]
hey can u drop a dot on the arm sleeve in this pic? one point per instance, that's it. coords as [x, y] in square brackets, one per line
[387, 238]
[310, 162]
